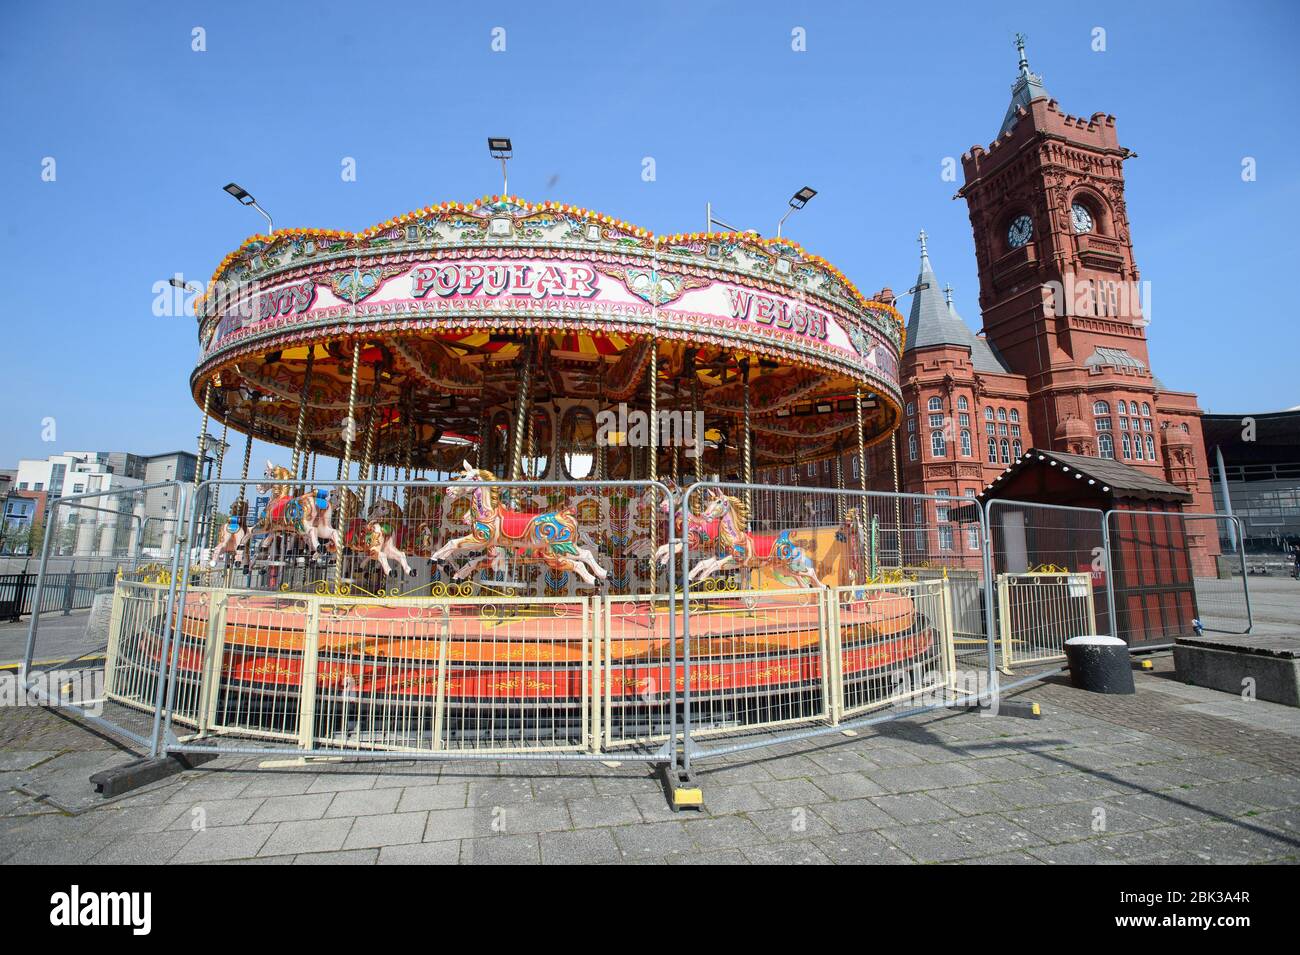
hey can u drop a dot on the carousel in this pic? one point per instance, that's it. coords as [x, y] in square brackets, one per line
[594, 368]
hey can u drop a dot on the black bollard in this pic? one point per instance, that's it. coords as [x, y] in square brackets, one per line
[1099, 664]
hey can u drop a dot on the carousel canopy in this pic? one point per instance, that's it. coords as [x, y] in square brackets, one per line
[443, 308]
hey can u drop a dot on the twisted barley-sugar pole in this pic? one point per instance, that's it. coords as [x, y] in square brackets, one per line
[365, 472]
[898, 506]
[747, 469]
[345, 465]
[198, 465]
[654, 462]
[862, 484]
[221, 460]
[302, 411]
[521, 414]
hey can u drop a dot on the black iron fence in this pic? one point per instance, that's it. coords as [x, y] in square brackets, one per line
[73, 590]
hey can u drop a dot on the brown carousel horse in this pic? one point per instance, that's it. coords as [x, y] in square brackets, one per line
[306, 515]
[737, 547]
[375, 535]
[699, 531]
[550, 535]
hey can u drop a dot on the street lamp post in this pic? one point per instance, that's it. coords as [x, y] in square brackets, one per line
[797, 201]
[500, 147]
[244, 199]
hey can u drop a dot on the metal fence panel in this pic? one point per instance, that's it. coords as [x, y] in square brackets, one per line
[80, 667]
[1038, 612]
[1176, 573]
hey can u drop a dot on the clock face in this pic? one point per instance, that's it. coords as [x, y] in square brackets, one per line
[1022, 229]
[1080, 218]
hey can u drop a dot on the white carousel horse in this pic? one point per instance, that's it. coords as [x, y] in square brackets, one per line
[737, 547]
[376, 535]
[550, 535]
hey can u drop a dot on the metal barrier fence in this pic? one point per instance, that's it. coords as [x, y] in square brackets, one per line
[793, 630]
[126, 700]
[1174, 573]
[1038, 612]
[523, 625]
[716, 622]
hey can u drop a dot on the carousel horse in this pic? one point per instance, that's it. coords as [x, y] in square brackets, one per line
[234, 535]
[306, 515]
[700, 532]
[737, 547]
[376, 534]
[551, 536]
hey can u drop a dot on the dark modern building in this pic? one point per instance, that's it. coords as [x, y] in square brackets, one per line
[1255, 472]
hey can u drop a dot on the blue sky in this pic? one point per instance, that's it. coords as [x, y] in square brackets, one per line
[145, 132]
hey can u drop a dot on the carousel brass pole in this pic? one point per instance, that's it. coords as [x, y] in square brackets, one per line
[221, 460]
[302, 411]
[364, 472]
[198, 465]
[345, 465]
[532, 444]
[747, 470]
[898, 506]
[862, 483]
[485, 435]
[839, 482]
[521, 415]
[654, 462]
[695, 408]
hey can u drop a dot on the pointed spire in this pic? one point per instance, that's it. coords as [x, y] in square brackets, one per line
[1027, 87]
[925, 254]
[947, 295]
[934, 321]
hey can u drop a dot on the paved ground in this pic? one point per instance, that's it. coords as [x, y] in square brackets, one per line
[1175, 774]
[59, 637]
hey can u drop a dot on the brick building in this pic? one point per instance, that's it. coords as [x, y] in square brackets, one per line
[1061, 361]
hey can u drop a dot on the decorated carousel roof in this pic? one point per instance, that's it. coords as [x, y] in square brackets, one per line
[445, 304]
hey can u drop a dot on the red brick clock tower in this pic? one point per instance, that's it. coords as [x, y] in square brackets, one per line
[1061, 294]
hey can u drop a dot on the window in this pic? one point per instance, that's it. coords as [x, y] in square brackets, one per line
[1015, 431]
[1123, 407]
[938, 447]
[1126, 444]
[1137, 447]
[941, 505]
[22, 485]
[934, 404]
[1006, 452]
[911, 424]
[1015, 414]
[1146, 410]
[1146, 424]
[963, 420]
[911, 447]
[1017, 449]
[812, 470]
[988, 414]
[962, 403]
[910, 407]
[991, 428]
[1151, 448]
[1002, 430]
[1123, 424]
[1100, 408]
[78, 488]
[1105, 445]
[936, 421]
[38, 486]
[945, 537]
[1002, 414]
[1103, 424]
[965, 444]
[993, 450]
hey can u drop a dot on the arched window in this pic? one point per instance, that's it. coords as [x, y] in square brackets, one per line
[1123, 406]
[911, 447]
[1146, 410]
[1017, 449]
[938, 447]
[1105, 446]
[1015, 414]
[910, 407]
[1151, 448]
[965, 444]
[1126, 444]
[1137, 447]
[988, 413]
[1100, 407]
[1002, 414]
[911, 424]
[1006, 452]
[993, 450]
[962, 403]
[935, 404]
